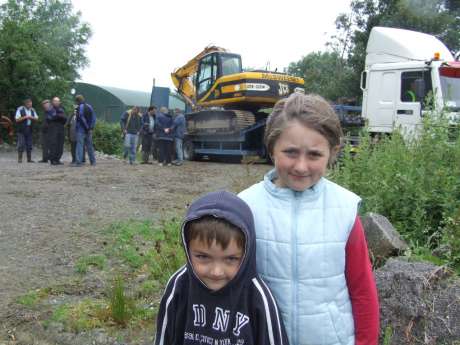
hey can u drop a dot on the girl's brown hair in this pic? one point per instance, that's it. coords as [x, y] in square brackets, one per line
[311, 110]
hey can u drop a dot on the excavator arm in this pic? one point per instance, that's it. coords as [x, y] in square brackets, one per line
[182, 77]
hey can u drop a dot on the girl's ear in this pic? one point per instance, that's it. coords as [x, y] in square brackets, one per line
[335, 151]
[333, 155]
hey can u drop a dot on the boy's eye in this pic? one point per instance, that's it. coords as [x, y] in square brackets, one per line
[233, 259]
[201, 256]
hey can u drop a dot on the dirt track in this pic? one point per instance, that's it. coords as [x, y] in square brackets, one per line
[49, 214]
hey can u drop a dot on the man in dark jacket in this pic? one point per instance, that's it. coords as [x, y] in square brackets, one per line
[44, 140]
[56, 133]
[178, 129]
[218, 297]
[164, 136]
[148, 127]
[25, 117]
[85, 120]
[131, 124]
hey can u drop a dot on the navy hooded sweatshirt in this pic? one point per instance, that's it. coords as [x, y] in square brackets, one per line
[243, 312]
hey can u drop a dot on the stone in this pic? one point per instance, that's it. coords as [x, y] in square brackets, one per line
[419, 303]
[382, 238]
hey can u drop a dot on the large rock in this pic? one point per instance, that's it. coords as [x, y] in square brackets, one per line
[382, 238]
[419, 303]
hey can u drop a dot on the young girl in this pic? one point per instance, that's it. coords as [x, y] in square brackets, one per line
[311, 248]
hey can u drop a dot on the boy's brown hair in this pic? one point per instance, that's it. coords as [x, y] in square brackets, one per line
[209, 229]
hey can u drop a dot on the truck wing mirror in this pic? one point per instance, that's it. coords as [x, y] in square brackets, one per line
[420, 89]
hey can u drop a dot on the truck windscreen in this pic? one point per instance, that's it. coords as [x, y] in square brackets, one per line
[450, 86]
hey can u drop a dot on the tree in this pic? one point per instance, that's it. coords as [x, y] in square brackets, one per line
[325, 73]
[440, 18]
[42, 47]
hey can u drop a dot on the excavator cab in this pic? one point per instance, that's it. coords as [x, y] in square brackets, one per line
[212, 67]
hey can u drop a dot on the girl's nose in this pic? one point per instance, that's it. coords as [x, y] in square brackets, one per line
[301, 166]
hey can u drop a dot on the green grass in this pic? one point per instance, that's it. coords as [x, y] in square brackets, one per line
[153, 250]
[82, 265]
[33, 298]
[121, 307]
[134, 249]
[387, 335]
[84, 315]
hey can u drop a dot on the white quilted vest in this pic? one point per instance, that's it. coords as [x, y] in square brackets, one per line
[301, 238]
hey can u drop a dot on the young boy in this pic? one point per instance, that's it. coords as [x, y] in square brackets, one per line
[218, 298]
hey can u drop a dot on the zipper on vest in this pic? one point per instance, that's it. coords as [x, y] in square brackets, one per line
[295, 270]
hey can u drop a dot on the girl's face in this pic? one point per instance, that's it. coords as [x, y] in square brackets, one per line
[301, 156]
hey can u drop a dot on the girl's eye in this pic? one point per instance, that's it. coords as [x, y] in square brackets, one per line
[291, 153]
[201, 256]
[315, 155]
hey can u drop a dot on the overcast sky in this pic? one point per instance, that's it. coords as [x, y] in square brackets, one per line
[137, 40]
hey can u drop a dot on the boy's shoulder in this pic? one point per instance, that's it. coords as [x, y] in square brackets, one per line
[176, 282]
[261, 297]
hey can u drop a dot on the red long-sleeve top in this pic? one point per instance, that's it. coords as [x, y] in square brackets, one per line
[361, 287]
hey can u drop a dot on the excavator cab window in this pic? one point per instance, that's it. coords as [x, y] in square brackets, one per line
[231, 64]
[207, 74]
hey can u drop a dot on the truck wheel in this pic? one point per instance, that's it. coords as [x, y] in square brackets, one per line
[189, 151]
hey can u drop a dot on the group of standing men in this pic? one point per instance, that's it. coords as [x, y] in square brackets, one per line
[160, 132]
[80, 126]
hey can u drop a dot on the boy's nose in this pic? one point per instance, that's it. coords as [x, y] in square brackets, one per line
[217, 271]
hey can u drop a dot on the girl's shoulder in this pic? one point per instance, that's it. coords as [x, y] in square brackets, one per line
[252, 193]
[339, 192]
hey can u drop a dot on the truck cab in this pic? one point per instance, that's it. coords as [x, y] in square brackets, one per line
[407, 74]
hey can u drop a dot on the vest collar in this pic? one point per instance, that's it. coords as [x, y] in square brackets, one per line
[311, 193]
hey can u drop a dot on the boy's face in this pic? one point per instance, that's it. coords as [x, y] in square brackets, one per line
[213, 265]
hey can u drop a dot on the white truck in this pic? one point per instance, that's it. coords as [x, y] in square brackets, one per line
[402, 68]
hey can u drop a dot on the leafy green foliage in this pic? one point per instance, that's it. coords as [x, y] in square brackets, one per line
[415, 183]
[42, 47]
[325, 73]
[107, 138]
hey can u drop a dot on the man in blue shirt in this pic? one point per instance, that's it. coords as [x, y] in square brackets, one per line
[178, 129]
[85, 122]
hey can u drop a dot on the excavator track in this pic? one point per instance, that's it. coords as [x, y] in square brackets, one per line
[219, 121]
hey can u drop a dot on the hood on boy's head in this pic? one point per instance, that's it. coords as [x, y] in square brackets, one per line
[227, 206]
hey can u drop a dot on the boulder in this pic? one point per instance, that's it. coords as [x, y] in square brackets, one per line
[382, 238]
[419, 303]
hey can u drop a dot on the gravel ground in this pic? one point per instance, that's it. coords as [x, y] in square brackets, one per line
[49, 215]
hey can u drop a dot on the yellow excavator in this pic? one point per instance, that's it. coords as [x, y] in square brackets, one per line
[228, 102]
